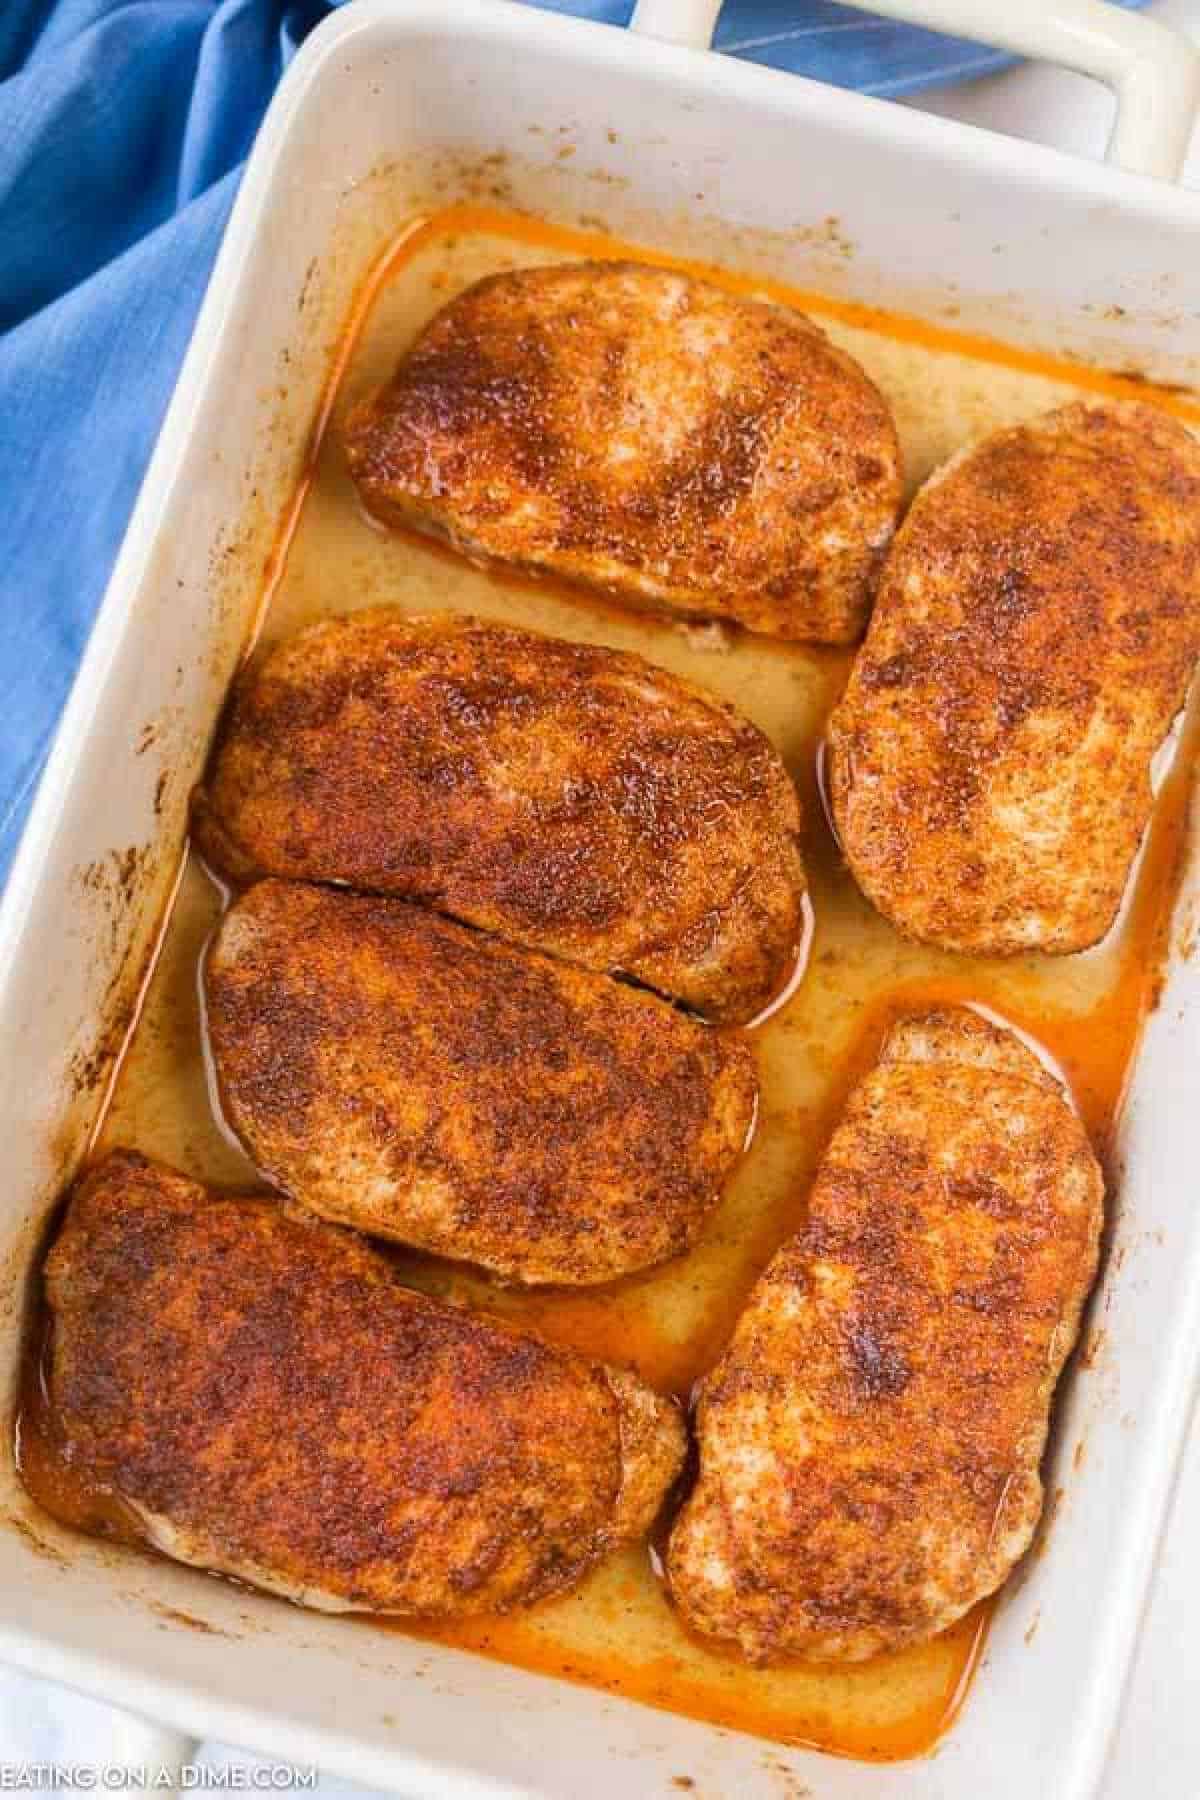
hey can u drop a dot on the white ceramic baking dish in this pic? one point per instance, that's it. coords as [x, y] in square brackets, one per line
[393, 107]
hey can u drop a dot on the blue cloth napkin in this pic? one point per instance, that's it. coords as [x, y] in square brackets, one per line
[124, 126]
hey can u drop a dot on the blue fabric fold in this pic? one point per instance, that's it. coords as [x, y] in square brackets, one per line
[124, 127]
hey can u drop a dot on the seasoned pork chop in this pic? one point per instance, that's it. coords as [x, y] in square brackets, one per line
[870, 1441]
[271, 1403]
[397, 1072]
[644, 433]
[566, 797]
[1036, 629]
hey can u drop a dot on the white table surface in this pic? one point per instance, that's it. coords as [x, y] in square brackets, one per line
[1157, 1754]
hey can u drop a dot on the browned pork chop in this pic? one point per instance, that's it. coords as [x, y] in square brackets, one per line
[870, 1441]
[642, 432]
[1036, 629]
[567, 797]
[423, 1082]
[271, 1403]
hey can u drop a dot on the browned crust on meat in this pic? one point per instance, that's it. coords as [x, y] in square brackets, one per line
[870, 1441]
[564, 796]
[1036, 628]
[266, 1387]
[646, 433]
[423, 1082]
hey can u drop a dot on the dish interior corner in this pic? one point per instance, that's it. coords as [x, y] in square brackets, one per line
[617, 1631]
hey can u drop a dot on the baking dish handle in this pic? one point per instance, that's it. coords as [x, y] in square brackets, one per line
[1153, 71]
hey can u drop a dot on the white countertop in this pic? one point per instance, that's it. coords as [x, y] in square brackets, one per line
[1157, 1755]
